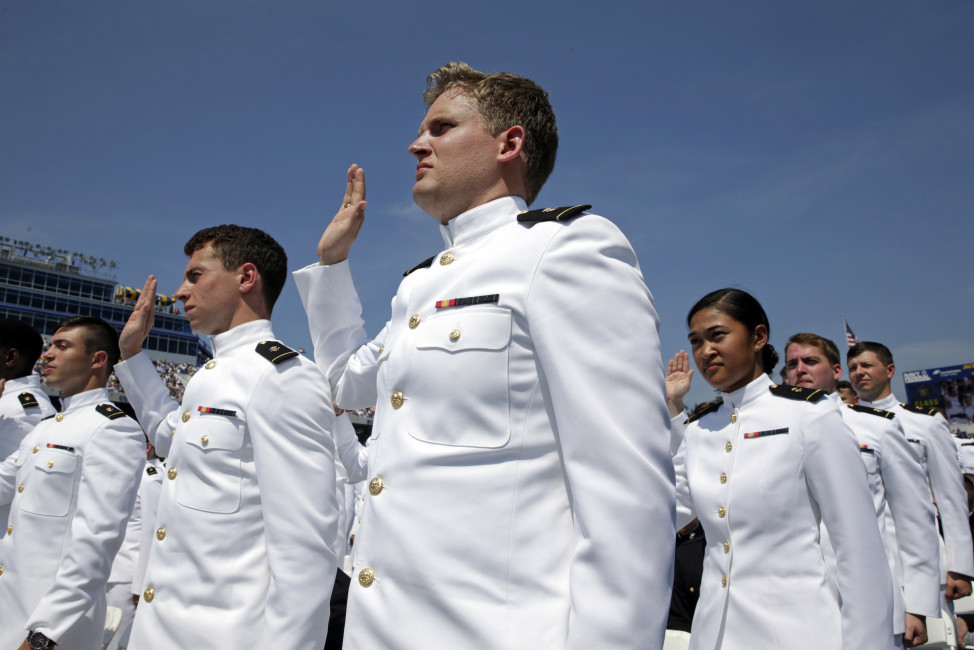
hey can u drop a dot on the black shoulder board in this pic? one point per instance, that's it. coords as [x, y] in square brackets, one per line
[919, 409]
[704, 409]
[866, 409]
[552, 214]
[150, 470]
[425, 264]
[110, 411]
[27, 400]
[275, 352]
[797, 392]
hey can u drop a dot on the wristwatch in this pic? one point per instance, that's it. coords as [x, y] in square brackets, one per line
[39, 641]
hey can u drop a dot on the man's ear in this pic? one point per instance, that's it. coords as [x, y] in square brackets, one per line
[99, 359]
[511, 142]
[248, 277]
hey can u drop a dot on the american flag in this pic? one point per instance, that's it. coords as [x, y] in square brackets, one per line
[850, 337]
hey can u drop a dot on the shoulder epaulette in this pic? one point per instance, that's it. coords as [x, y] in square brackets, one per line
[919, 409]
[704, 409]
[109, 411]
[866, 409]
[151, 471]
[425, 264]
[275, 352]
[27, 400]
[552, 214]
[797, 392]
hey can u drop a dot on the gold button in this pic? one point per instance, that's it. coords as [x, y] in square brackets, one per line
[397, 399]
[723, 477]
[454, 335]
[161, 533]
[380, 351]
[722, 512]
[414, 321]
[20, 488]
[186, 416]
[375, 486]
[148, 594]
[173, 432]
[723, 581]
[210, 365]
[692, 590]
[204, 439]
[728, 447]
[726, 546]
[171, 473]
[733, 417]
[446, 258]
[10, 529]
[366, 577]
[50, 463]
[1, 570]
[36, 449]
[58, 417]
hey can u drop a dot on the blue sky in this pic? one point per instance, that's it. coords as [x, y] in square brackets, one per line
[811, 153]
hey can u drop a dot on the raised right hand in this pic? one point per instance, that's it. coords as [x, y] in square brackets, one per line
[140, 322]
[343, 229]
[678, 375]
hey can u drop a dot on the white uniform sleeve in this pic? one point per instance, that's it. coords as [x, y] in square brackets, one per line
[353, 454]
[290, 418]
[342, 350]
[8, 478]
[947, 483]
[110, 472]
[677, 429]
[915, 522]
[595, 331]
[836, 478]
[149, 491]
[684, 503]
[149, 397]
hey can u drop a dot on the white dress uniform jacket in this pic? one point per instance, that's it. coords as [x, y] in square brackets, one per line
[761, 472]
[71, 487]
[946, 480]
[904, 512]
[965, 452]
[247, 515]
[521, 492]
[22, 406]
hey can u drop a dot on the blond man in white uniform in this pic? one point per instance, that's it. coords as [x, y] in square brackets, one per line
[503, 510]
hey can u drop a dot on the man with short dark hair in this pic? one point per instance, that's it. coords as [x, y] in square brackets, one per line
[871, 369]
[242, 555]
[71, 486]
[846, 392]
[908, 525]
[503, 510]
[23, 404]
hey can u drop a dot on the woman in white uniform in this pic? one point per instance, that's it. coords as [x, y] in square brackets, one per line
[761, 468]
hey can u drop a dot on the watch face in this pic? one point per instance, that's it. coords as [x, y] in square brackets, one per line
[37, 641]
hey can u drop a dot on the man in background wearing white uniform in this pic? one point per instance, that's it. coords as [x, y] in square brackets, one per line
[71, 485]
[243, 555]
[905, 514]
[23, 404]
[503, 510]
[871, 369]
